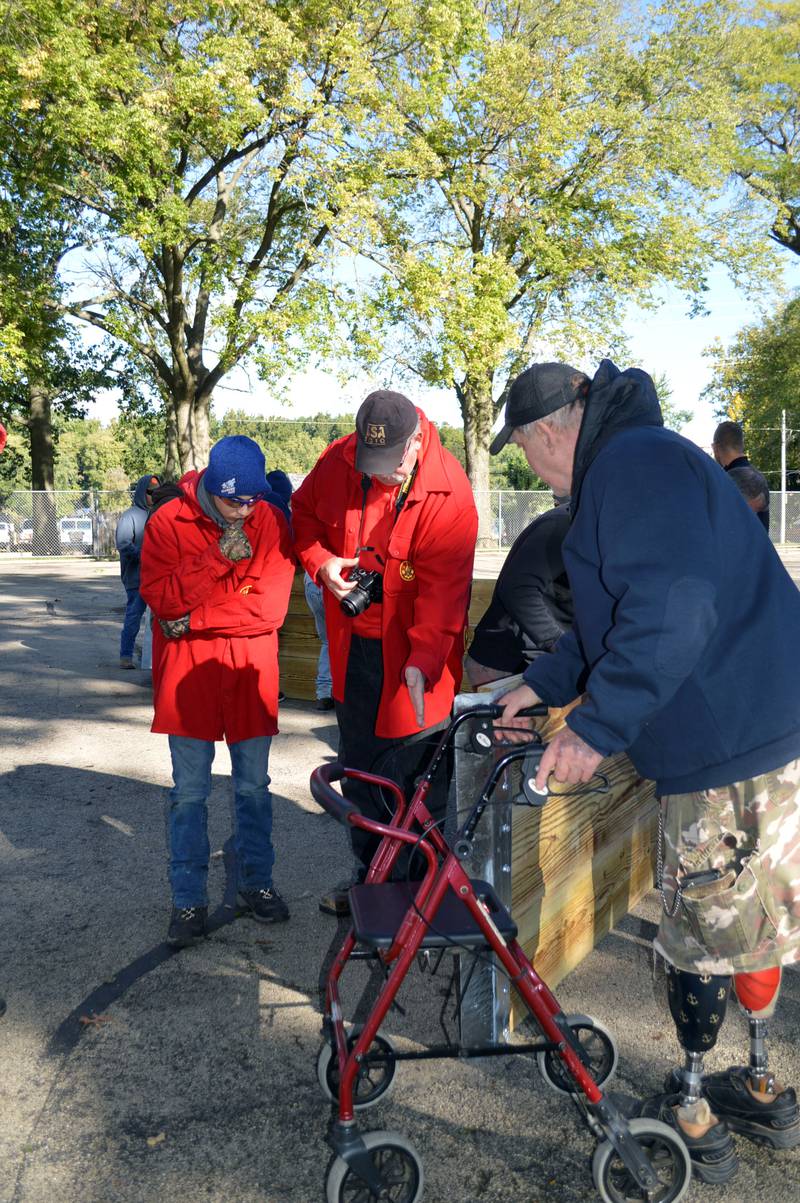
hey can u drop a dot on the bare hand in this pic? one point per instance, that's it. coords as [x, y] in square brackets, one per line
[330, 575]
[569, 759]
[415, 683]
[518, 699]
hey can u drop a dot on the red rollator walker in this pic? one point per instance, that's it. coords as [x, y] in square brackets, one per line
[393, 922]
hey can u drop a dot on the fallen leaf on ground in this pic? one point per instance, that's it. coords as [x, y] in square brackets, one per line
[154, 1141]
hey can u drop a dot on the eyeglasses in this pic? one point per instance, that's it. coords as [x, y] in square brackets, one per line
[243, 502]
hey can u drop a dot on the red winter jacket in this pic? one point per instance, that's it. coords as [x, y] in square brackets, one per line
[219, 681]
[427, 576]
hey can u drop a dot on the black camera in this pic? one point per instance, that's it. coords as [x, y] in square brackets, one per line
[369, 589]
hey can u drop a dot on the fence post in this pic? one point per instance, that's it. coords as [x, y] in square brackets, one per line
[499, 519]
[783, 476]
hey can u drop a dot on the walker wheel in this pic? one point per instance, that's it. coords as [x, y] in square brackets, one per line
[598, 1047]
[396, 1161]
[667, 1155]
[372, 1082]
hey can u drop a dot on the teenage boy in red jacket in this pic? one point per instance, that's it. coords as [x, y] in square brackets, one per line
[217, 569]
[390, 500]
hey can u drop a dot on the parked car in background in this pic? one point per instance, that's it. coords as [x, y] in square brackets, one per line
[8, 535]
[26, 534]
[75, 532]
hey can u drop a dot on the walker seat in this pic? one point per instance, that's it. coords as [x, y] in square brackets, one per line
[378, 910]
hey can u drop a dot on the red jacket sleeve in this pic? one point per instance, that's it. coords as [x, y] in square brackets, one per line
[445, 550]
[173, 581]
[263, 606]
[310, 534]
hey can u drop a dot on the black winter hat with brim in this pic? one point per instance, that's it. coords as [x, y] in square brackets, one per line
[538, 391]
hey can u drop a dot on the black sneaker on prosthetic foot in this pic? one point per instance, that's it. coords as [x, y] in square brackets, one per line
[187, 925]
[707, 1138]
[266, 906]
[769, 1116]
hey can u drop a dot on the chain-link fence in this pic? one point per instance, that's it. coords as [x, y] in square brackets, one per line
[63, 523]
[82, 523]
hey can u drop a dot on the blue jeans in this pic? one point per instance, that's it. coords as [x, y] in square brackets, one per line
[317, 607]
[132, 621]
[188, 817]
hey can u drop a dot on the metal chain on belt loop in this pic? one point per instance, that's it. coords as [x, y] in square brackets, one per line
[670, 909]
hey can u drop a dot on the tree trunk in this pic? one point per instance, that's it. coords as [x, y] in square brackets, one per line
[188, 417]
[475, 397]
[40, 431]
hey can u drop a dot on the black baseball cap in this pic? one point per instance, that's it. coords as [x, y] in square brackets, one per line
[384, 423]
[537, 392]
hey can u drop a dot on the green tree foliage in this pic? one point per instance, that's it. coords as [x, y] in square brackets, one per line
[767, 78]
[570, 162]
[88, 453]
[219, 150]
[756, 378]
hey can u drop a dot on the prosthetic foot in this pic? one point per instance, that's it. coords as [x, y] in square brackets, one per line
[748, 1097]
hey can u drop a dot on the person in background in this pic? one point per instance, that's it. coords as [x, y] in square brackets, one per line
[316, 604]
[728, 448]
[753, 487]
[681, 659]
[217, 569]
[531, 604]
[129, 536]
[390, 501]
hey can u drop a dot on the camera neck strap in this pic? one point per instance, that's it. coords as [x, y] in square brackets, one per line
[402, 495]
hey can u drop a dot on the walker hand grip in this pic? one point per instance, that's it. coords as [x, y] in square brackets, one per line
[327, 797]
[537, 710]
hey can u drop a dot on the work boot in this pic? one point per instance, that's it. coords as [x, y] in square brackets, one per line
[266, 906]
[707, 1138]
[336, 901]
[187, 925]
[768, 1116]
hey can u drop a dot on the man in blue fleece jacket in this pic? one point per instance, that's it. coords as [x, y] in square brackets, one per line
[693, 668]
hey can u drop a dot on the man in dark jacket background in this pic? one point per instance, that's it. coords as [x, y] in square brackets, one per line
[129, 534]
[693, 668]
[531, 604]
[728, 448]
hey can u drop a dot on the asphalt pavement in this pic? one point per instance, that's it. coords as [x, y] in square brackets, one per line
[134, 1074]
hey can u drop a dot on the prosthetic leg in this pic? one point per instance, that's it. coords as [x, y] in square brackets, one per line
[697, 1003]
[747, 1098]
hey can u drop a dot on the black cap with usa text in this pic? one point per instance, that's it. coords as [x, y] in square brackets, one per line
[538, 391]
[384, 423]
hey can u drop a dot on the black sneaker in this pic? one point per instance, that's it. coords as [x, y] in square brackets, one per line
[713, 1155]
[324, 704]
[775, 1123]
[187, 925]
[266, 906]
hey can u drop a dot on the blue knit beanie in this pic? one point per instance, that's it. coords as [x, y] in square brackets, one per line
[235, 468]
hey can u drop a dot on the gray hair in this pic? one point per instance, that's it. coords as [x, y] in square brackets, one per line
[561, 418]
[751, 484]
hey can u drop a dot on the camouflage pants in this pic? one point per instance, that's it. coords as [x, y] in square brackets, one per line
[749, 918]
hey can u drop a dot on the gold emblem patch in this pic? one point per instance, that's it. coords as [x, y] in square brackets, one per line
[407, 572]
[245, 588]
[376, 435]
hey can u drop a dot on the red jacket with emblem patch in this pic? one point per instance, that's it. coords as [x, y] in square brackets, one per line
[424, 605]
[219, 681]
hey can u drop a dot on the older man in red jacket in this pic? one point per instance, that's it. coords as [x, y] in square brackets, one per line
[217, 568]
[388, 500]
